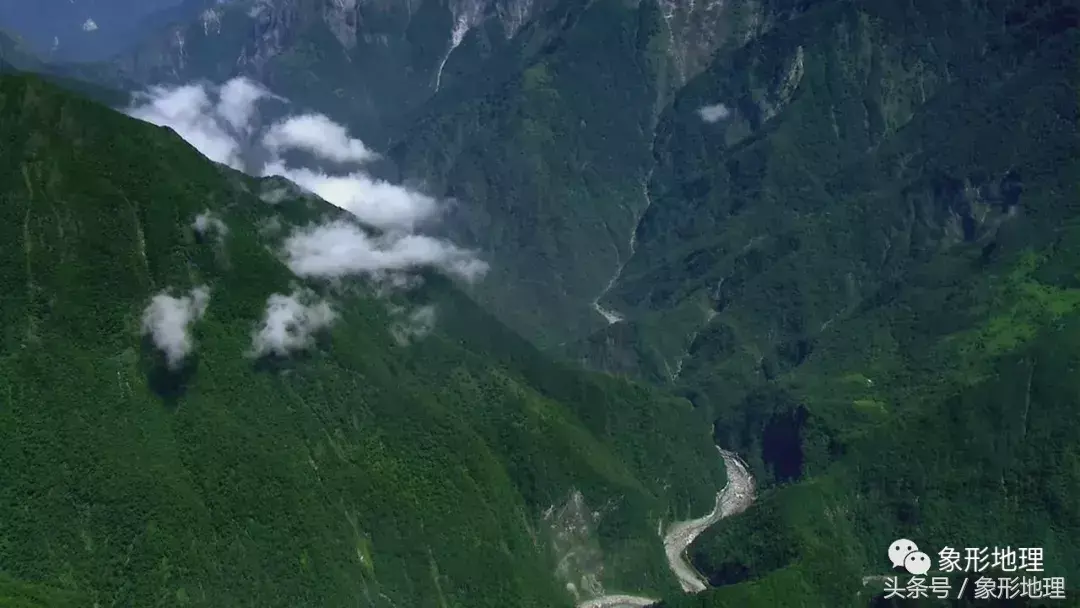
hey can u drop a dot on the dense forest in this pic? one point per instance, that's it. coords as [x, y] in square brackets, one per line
[414, 474]
[891, 259]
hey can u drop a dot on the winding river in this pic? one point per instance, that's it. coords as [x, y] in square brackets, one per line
[735, 497]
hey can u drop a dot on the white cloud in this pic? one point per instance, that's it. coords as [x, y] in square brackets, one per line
[236, 103]
[270, 226]
[340, 248]
[167, 320]
[222, 124]
[188, 111]
[317, 134]
[290, 323]
[714, 112]
[415, 326]
[375, 202]
[273, 196]
[208, 223]
[89, 25]
[388, 282]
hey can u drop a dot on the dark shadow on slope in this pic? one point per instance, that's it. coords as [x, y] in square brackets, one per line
[769, 434]
[781, 441]
[276, 364]
[169, 383]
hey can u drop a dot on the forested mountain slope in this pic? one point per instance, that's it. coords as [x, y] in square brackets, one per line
[856, 141]
[879, 280]
[227, 457]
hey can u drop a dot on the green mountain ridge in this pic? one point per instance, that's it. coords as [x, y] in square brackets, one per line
[359, 471]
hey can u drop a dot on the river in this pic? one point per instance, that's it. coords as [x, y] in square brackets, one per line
[735, 497]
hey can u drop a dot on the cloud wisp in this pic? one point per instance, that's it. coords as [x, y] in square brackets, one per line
[167, 321]
[414, 326]
[318, 135]
[714, 113]
[223, 123]
[290, 323]
[375, 202]
[340, 248]
[208, 224]
[190, 112]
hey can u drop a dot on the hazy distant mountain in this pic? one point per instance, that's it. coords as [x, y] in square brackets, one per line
[83, 30]
[369, 63]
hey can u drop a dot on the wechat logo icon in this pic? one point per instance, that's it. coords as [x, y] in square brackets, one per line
[917, 563]
[899, 549]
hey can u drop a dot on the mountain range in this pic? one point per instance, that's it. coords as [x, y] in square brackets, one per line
[839, 232]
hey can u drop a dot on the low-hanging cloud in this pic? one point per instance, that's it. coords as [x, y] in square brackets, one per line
[273, 196]
[340, 248]
[236, 103]
[381, 204]
[167, 321]
[223, 124]
[208, 224]
[714, 113]
[414, 326]
[191, 112]
[317, 134]
[290, 322]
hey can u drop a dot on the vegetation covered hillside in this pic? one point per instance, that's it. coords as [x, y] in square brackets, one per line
[227, 458]
[841, 148]
[868, 262]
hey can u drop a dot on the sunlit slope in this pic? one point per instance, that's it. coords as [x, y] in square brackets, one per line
[359, 472]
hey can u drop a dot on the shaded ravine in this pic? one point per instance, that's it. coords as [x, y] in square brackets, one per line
[609, 315]
[736, 496]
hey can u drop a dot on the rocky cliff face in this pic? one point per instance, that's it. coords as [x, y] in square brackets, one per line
[272, 24]
[418, 37]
